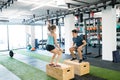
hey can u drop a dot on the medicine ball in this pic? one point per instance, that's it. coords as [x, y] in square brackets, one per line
[11, 53]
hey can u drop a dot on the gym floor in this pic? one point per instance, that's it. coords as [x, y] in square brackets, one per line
[40, 64]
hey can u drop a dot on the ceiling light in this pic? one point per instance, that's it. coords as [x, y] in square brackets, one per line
[52, 3]
[61, 2]
[64, 7]
[30, 1]
[41, 5]
[24, 1]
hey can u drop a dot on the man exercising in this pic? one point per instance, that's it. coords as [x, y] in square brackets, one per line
[78, 44]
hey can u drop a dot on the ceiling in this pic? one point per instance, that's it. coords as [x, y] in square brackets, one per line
[27, 9]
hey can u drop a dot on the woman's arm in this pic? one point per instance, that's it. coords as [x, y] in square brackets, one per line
[55, 40]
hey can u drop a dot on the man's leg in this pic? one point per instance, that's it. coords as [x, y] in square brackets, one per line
[72, 49]
[79, 49]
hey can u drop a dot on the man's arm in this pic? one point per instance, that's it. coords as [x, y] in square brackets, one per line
[73, 44]
[84, 43]
[55, 40]
[81, 46]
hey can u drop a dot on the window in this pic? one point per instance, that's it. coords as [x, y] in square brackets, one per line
[17, 36]
[3, 37]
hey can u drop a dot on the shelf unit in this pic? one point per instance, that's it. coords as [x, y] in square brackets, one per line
[118, 38]
[93, 33]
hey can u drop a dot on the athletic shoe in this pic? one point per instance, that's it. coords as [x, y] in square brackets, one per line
[57, 65]
[73, 59]
[80, 60]
[51, 64]
[84, 58]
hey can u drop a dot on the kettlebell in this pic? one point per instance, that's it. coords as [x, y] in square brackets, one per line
[11, 53]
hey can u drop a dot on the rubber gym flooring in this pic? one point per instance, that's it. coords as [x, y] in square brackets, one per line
[39, 64]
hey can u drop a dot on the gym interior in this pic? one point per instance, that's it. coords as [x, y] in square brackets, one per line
[23, 39]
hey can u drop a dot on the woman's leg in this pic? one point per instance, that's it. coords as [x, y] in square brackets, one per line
[58, 57]
[51, 49]
[52, 59]
[58, 53]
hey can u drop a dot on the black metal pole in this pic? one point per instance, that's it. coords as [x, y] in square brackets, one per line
[42, 36]
[98, 37]
[59, 34]
[99, 48]
[85, 36]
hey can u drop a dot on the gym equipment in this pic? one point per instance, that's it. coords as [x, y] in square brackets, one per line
[100, 27]
[36, 43]
[65, 72]
[81, 17]
[118, 35]
[116, 56]
[42, 43]
[79, 68]
[11, 53]
[93, 35]
[29, 47]
[33, 49]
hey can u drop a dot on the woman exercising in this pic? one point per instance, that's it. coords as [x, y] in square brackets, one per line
[52, 46]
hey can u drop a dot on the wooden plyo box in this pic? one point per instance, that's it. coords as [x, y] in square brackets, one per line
[79, 68]
[65, 72]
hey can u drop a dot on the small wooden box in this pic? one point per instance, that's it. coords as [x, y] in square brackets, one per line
[65, 72]
[79, 68]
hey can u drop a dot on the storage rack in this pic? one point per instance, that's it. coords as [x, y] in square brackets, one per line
[93, 33]
[118, 34]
